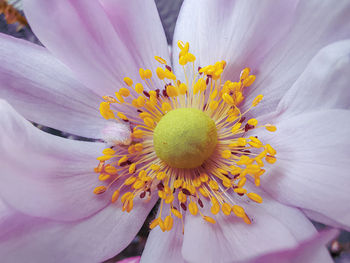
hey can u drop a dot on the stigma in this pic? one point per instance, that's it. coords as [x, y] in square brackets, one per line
[186, 142]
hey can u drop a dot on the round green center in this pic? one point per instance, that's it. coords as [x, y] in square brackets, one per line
[185, 138]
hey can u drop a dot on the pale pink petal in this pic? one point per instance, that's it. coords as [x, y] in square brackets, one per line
[312, 168]
[81, 34]
[276, 40]
[44, 90]
[324, 83]
[274, 227]
[312, 250]
[164, 246]
[94, 239]
[45, 175]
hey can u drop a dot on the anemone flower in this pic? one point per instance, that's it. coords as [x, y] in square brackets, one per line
[240, 139]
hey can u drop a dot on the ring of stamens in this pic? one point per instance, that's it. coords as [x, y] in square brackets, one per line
[137, 171]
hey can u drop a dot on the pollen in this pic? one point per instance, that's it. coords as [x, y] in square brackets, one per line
[186, 142]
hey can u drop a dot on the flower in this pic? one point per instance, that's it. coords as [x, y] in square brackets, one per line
[47, 182]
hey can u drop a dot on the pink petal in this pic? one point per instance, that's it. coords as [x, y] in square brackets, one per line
[274, 227]
[44, 90]
[130, 260]
[45, 175]
[312, 251]
[97, 49]
[312, 165]
[94, 239]
[324, 83]
[164, 246]
[276, 40]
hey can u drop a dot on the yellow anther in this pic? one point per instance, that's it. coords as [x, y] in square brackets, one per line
[171, 91]
[200, 85]
[176, 213]
[104, 158]
[182, 88]
[238, 211]
[119, 97]
[154, 223]
[130, 180]
[124, 92]
[138, 184]
[122, 160]
[149, 122]
[126, 196]
[240, 190]
[214, 94]
[161, 225]
[270, 159]
[142, 174]
[244, 160]
[108, 151]
[227, 182]
[132, 168]
[142, 73]
[110, 169]
[100, 190]
[226, 208]
[169, 74]
[249, 80]
[177, 183]
[161, 175]
[244, 73]
[131, 149]
[257, 100]
[255, 197]
[270, 127]
[105, 111]
[122, 116]
[141, 101]
[203, 177]
[168, 223]
[180, 44]
[138, 88]
[242, 182]
[270, 150]
[135, 104]
[236, 127]
[169, 199]
[160, 60]
[213, 105]
[196, 182]
[227, 98]
[193, 208]
[226, 154]
[246, 219]
[129, 205]
[161, 194]
[154, 167]
[209, 219]
[115, 196]
[257, 181]
[253, 122]
[254, 139]
[203, 192]
[160, 73]
[239, 98]
[137, 134]
[182, 197]
[213, 185]
[148, 73]
[241, 141]
[166, 107]
[128, 81]
[109, 99]
[215, 208]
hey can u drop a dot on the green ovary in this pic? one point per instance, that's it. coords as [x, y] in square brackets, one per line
[185, 138]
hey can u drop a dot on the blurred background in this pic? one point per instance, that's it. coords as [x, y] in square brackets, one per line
[13, 22]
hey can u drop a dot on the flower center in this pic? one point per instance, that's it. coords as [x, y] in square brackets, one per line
[185, 138]
[189, 143]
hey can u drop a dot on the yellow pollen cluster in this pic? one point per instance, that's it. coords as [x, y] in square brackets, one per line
[135, 171]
